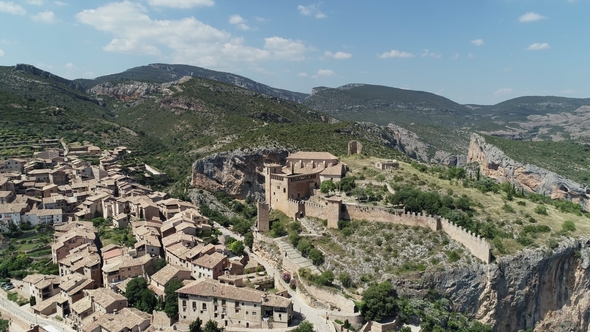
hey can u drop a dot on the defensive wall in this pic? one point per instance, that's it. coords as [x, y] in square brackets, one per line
[334, 210]
[477, 245]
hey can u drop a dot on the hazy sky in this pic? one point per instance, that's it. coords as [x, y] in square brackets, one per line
[471, 51]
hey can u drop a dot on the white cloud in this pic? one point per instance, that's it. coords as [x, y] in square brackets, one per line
[477, 42]
[35, 2]
[538, 46]
[507, 69]
[44, 17]
[470, 55]
[503, 92]
[286, 49]
[326, 72]
[1, 53]
[60, 3]
[395, 54]
[337, 55]
[302, 75]
[239, 22]
[11, 8]
[185, 40]
[455, 56]
[311, 10]
[71, 66]
[181, 3]
[427, 53]
[530, 17]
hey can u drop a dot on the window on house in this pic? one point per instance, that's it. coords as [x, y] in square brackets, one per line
[204, 306]
[195, 306]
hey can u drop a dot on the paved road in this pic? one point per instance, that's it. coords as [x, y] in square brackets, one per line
[29, 317]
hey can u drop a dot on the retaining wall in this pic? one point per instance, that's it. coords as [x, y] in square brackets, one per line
[335, 300]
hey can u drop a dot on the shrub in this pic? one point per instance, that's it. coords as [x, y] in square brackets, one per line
[508, 208]
[568, 226]
[541, 209]
[287, 276]
[453, 256]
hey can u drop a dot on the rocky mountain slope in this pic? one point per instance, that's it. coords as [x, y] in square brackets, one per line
[164, 73]
[494, 163]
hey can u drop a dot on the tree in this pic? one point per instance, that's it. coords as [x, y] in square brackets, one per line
[249, 240]
[159, 264]
[32, 300]
[304, 246]
[379, 301]
[305, 326]
[171, 306]
[195, 326]
[139, 296]
[316, 256]
[327, 186]
[237, 248]
[211, 326]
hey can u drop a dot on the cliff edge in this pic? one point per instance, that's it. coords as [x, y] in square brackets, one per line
[494, 163]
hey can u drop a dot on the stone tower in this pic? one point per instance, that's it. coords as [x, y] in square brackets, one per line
[263, 220]
[355, 147]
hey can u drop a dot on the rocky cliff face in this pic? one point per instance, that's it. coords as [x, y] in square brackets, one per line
[238, 173]
[494, 163]
[406, 141]
[128, 91]
[532, 290]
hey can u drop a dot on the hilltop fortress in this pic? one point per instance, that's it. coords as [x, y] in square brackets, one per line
[288, 188]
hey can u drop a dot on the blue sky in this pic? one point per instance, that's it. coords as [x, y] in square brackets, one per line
[471, 51]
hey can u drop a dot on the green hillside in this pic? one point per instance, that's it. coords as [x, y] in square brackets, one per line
[382, 105]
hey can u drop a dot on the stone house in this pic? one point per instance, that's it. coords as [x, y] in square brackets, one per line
[125, 320]
[44, 216]
[387, 164]
[14, 165]
[84, 260]
[6, 196]
[66, 242]
[209, 266]
[160, 279]
[39, 175]
[231, 306]
[40, 286]
[123, 267]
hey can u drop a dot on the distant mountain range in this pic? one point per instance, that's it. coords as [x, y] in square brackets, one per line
[151, 106]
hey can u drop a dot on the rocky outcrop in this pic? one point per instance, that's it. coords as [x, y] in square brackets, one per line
[535, 289]
[238, 173]
[494, 163]
[128, 91]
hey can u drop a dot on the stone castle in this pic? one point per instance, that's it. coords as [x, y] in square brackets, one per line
[288, 187]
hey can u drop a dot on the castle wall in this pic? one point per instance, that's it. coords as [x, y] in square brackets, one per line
[478, 246]
[380, 214]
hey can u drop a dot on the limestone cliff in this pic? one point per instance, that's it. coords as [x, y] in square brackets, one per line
[238, 173]
[396, 137]
[494, 163]
[535, 289]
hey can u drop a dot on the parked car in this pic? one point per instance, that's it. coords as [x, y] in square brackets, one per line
[8, 286]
